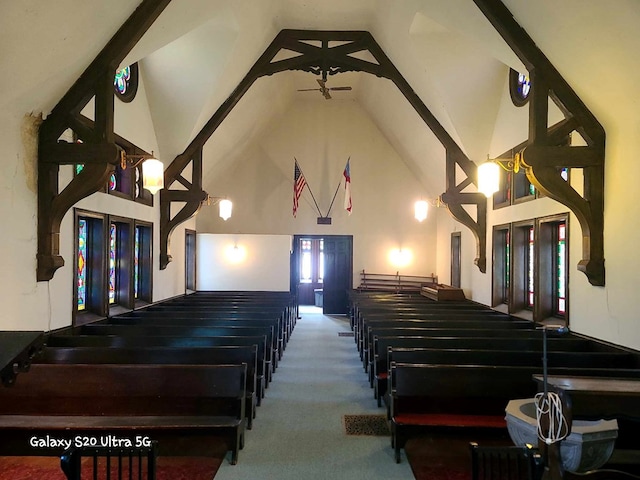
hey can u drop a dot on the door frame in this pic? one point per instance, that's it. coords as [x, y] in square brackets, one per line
[295, 260]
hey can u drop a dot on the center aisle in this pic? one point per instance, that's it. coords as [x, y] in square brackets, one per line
[298, 432]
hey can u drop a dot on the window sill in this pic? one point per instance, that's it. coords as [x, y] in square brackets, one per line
[523, 314]
[82, 318]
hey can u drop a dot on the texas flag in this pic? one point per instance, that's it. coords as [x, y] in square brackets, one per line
[347, 187]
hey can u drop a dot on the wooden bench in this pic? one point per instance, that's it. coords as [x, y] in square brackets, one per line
[478, 331]
[175, 342]
[506, 355]
[393, 282]
[185, 331]
[197, 317]
[382, 345]
[372, 328]
[182, 407]
[427, 396]
[221, 355]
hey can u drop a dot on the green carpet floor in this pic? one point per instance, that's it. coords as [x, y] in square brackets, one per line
[298, 433]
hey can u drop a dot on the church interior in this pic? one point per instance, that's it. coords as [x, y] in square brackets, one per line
[320, 157]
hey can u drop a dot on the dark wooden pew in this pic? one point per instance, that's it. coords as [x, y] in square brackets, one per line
[431, 396]
[182, 407]
[505, 356]
[203, 319]
[221, 355]
[479, 330]
[371, 327]
[186, 331]
[175, 342]
[382, 344]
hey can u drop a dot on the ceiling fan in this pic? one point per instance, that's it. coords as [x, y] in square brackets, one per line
[324, 89]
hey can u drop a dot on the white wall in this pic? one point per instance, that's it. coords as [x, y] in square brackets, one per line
[243, 262]
[322, 136]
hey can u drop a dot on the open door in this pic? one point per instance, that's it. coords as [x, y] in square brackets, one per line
[322, 269]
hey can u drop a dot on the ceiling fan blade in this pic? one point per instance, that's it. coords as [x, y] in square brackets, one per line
[340, 88]
[321, 82]
[326, 94]
[309, 90]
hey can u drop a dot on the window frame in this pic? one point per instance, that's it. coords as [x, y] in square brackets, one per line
[546, 304]
[456, 259]
[145, 265]
[96, 305]
[501, 269]
[519, 253]
[545, 268]
[190, 268]
[97, 288]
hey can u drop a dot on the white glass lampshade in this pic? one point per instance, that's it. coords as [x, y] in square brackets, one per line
[225, 207]
[421, 209]
[488, 178]
[152, 175]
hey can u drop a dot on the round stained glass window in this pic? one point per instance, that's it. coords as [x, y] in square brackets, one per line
[519, 88]
[125, 83]
[113, 182]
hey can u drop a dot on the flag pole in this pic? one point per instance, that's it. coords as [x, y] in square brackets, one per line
[309, 187]
[334, 197]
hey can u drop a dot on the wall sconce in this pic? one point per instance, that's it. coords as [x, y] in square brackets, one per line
[225, 206]
[400, 257]
[236, 253]
[489, 172]
[421, 208]
[152, 169]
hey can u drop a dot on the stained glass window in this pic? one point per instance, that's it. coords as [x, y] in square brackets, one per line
[113, 182]
[136, 263]
[121, 80]
[530, 256]
[519, 88]
[82, 264]
[524, 85]
[564, 173]
[562, 265]
[113, 232]
[125, 83]
[79, 168]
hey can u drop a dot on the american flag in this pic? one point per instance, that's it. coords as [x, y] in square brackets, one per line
[299, 183]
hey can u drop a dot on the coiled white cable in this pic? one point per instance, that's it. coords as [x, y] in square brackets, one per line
[550, 405]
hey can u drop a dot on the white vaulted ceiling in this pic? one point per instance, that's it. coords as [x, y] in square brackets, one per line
[198, 51]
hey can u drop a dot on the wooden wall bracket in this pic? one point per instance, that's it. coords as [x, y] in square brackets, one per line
[317, 56]
[542, 154]
[191, 195]
[98, 150]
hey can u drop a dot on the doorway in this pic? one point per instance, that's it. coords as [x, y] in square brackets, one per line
[322, 271]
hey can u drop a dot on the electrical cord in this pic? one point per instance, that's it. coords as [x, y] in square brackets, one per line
[550, 405]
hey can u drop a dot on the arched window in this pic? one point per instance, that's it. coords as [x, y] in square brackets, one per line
[519, 88]
[125, 83]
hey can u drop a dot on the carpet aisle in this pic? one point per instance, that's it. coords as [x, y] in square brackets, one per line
[298, 432]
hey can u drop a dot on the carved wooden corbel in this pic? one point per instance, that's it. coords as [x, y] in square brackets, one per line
[192, 196]
[543, 157]
[98, 152]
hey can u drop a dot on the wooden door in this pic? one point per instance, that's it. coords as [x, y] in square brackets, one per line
[338, 274]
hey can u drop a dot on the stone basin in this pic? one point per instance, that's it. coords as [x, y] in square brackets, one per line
[588, 447]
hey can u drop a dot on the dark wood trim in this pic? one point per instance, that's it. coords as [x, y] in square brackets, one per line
[325, 60]
[545, 162]
[96, 81]
[498, 264]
